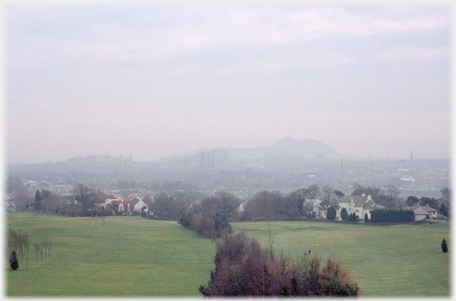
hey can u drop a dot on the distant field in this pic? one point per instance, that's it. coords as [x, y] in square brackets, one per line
[132, 256]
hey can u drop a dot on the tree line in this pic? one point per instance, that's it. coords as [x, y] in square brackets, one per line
[268, 205]
[212, 227]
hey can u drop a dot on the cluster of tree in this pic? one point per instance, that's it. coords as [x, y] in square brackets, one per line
[302, 202]
[392, 215]
[172, 207]
[89, 198]
[169, 207]
[209, 226]
[18, 243]
[46, 201]
[243, 268]
[222, 202]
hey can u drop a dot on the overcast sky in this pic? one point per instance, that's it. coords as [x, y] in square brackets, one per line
[155, 81]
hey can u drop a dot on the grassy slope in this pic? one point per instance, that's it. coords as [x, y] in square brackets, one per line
[132, 256]
[404, 260]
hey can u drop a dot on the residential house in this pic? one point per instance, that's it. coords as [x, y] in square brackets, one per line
[424, 212]
[314, 205]
[139, 205]
[124, 206]
[359, 205]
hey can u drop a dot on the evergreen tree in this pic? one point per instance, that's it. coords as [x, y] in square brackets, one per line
[38, 198]
[300, 205]
[14, 263]
[331, 213]
[344, 214]
[366, 218]
[444, 246]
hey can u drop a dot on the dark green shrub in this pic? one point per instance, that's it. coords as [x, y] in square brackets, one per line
[344, 214]
[335, 288]
[444, 246]
[392, 215]
[13, 261]
[366, 218]
[331, 213]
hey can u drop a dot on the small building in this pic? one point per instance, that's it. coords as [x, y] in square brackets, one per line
[424, 212]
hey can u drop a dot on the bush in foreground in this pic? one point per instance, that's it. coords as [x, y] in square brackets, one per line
[242, 268]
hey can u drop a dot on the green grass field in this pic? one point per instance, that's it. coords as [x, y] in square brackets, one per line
[132, 256]
[401, 260]
[129, 256]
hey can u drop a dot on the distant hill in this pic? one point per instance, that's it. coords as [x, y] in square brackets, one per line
[286, 147]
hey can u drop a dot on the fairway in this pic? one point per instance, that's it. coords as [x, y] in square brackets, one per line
[128, 256]
[400, 260]
[132, 256]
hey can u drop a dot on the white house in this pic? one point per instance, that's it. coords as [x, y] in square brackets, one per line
[315, 206]
[360, 205]
[139, 205]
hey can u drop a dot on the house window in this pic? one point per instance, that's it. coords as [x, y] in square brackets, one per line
[357, 210]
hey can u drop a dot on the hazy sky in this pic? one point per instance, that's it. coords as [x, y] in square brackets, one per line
[159, 80]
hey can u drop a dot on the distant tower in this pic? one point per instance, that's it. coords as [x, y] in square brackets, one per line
[131, 158]
[411, 156]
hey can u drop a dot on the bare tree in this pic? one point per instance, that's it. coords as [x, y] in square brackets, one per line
[26, 243]
[391, 194]
[327, 195]
[375, 192]
[37, 250]
[446, 199]
[22, 198]
[313, 192]
[271, 237]
[81, 193]
[49, 244]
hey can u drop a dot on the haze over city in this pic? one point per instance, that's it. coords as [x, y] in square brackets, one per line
[158, 80]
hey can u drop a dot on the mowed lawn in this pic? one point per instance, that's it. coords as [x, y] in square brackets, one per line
[400, 260]
[128, 256]
[132, 256]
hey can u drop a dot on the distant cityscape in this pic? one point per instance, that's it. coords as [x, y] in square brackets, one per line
[285, 166]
